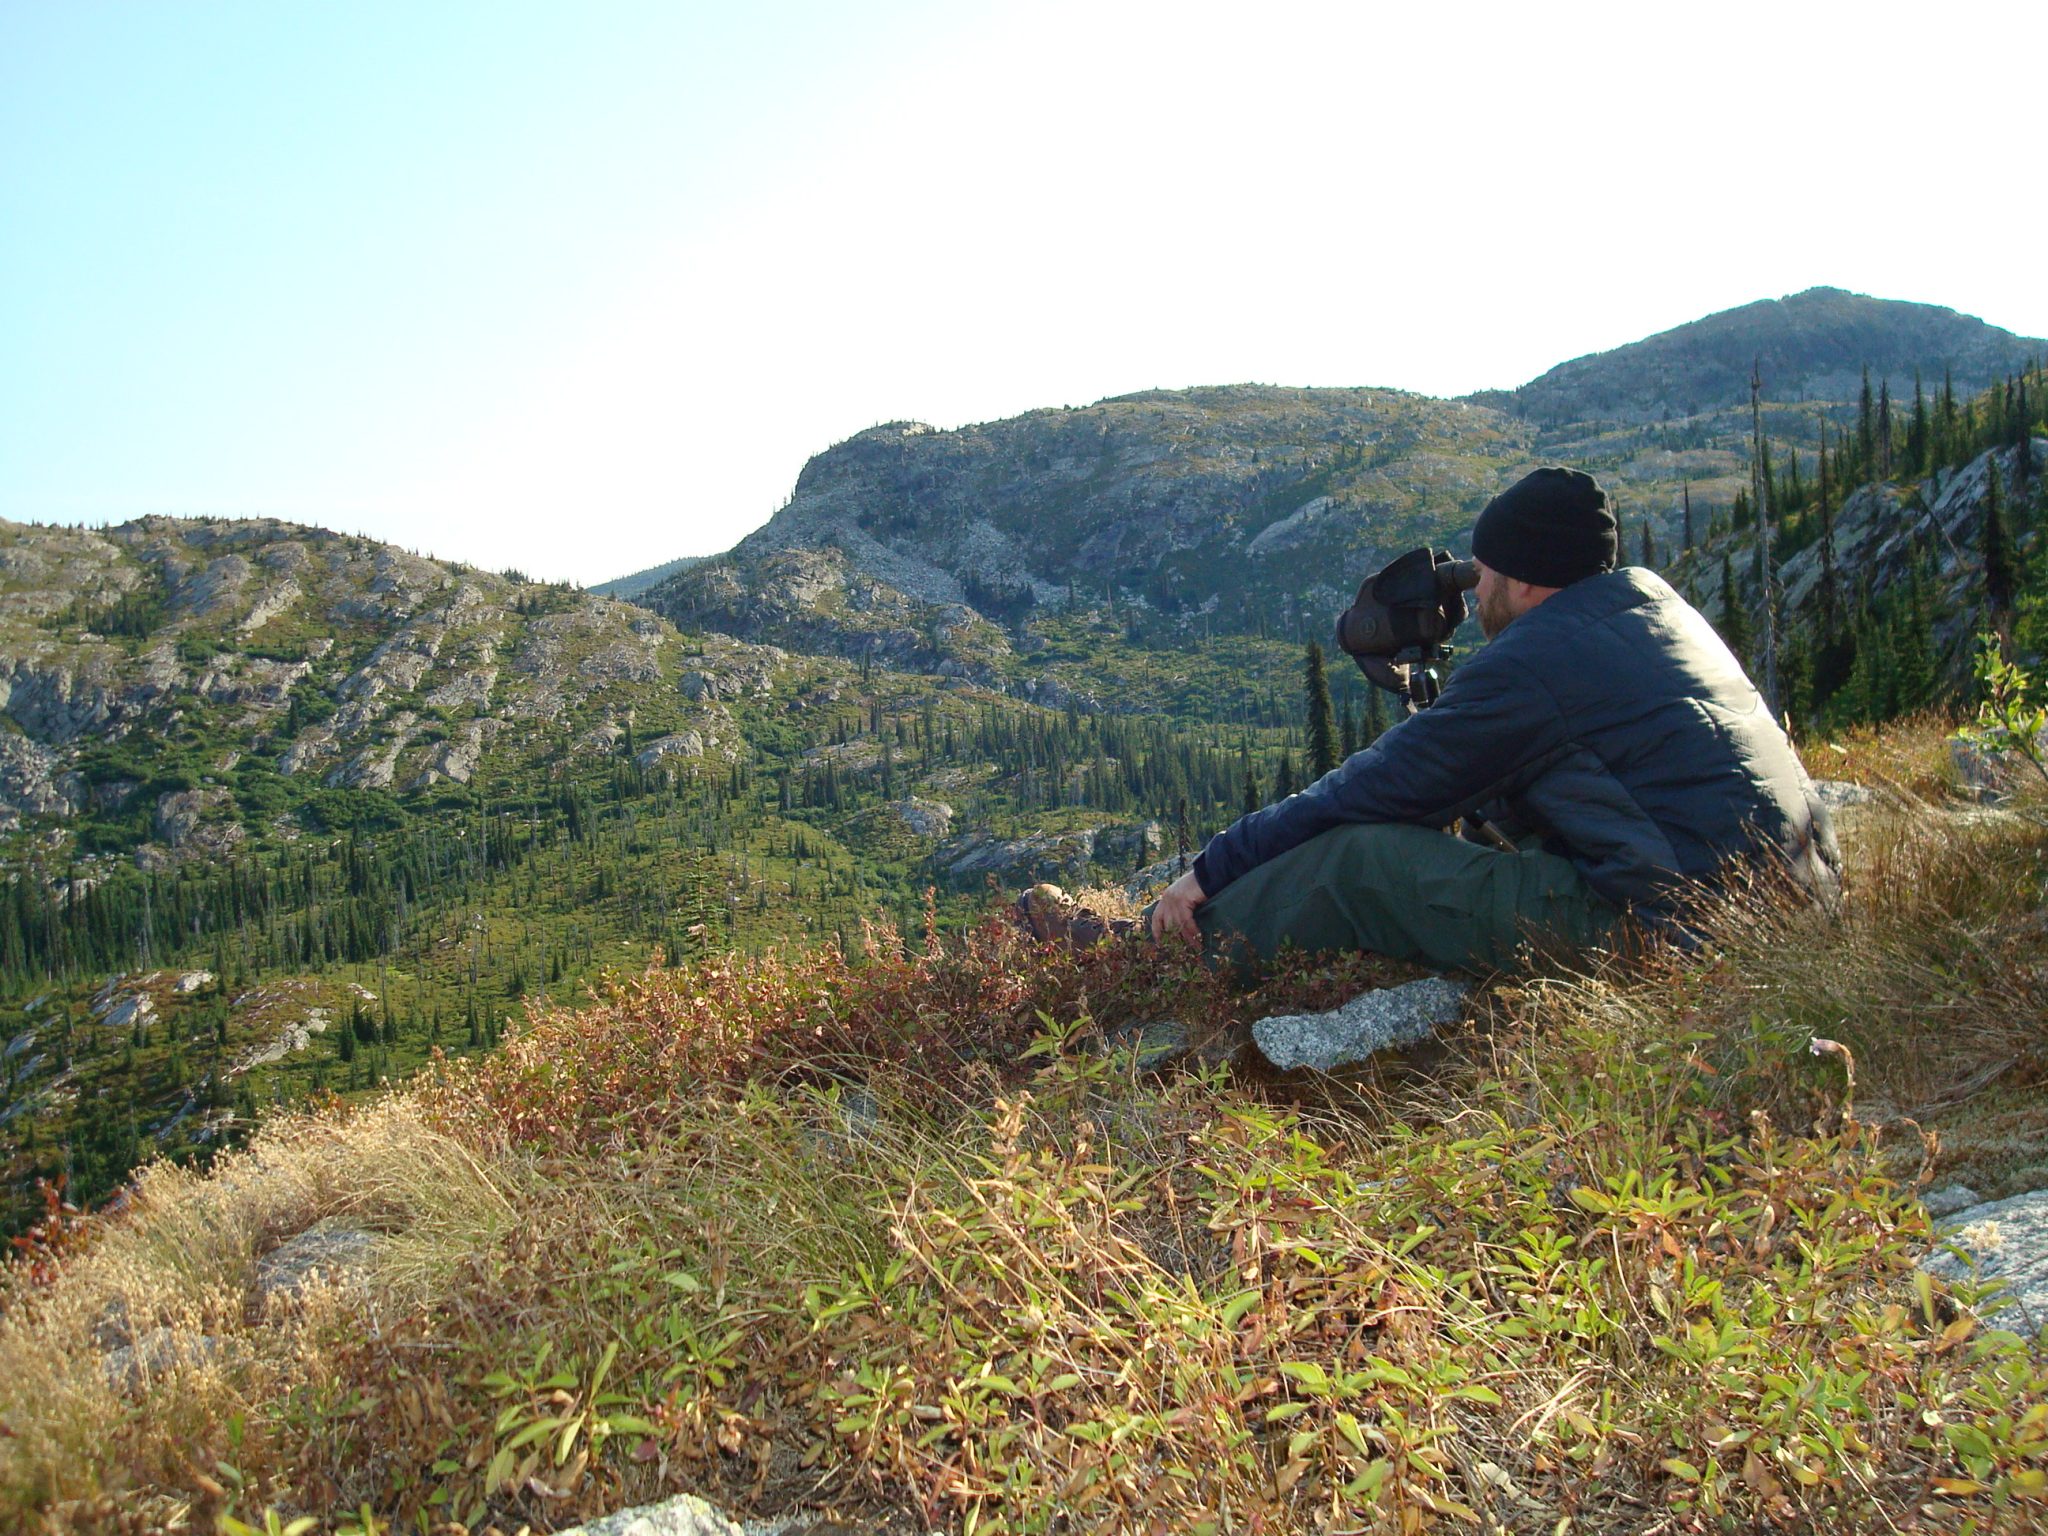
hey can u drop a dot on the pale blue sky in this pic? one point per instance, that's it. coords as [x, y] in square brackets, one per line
[578, 287]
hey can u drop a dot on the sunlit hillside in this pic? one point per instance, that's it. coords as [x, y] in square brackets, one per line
[908, 1235]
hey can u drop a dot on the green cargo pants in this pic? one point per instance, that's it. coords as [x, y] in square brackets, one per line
[1406, 892]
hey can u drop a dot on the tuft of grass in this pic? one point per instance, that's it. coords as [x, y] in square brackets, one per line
[1931, 974]
[1908, 759]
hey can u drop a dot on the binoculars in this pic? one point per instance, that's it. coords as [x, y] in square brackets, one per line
[1403, 614]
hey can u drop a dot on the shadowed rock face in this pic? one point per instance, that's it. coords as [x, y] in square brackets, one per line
[1880, 534]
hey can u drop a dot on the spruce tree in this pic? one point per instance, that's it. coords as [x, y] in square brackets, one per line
[1866, 428]
[1283, 777]
[1350, 728]
[1828, 596]
[1945, 444]
[1912, 645]
[1916, 431]
[1687, 494]
[1734, 625]
[1884, 429]
[1322, 716]
[1997, 546]
[1649, 547]
[2023, 443]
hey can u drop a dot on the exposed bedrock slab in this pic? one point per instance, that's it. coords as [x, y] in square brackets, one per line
[2002, 1240]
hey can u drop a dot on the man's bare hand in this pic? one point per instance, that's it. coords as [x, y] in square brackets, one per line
[1174, 912]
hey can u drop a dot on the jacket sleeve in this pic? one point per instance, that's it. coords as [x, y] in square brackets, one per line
[1491, 726]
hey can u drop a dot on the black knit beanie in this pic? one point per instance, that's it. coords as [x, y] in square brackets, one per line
[1550, 528]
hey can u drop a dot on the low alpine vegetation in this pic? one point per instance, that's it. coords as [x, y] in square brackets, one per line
[909, 1233]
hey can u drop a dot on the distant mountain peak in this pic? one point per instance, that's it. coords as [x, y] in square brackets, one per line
[1811, 345]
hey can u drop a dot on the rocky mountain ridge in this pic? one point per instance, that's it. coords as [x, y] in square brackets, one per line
[1216, 510]
[227, 646]
[640, 581]
[1250, 509]
[1813, 345]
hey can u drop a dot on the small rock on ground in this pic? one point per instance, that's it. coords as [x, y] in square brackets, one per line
[1836, 794]
[684, 1515]
[860, 1117]
[2004, 1240]
[1162, 1043]
[848, 1121]
[157, 1353]
[329, 1251]
[1373, 1021]
[1949, 1199]
[688, 1515]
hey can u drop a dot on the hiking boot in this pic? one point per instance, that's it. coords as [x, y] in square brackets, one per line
[1051, 916]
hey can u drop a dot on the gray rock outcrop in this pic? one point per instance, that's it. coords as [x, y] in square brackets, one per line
[271, 603]
[1839, 795]
[1949, 1199]
[59, 693]
[329, 1252]
[731, 669]
[375, 767]
[255, 682]
[457, 757]
[126, 1010]
[2003, 1240]
[675, 744]
[179, 813]
[1128, 847]
[208, 589]
[33, 781]
[469, 689]
[926, 818]
[1060, 857]
[1882, 533]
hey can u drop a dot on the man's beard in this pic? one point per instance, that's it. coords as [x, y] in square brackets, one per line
[1493, 613]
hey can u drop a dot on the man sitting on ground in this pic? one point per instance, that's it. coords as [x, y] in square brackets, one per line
[1605, 729]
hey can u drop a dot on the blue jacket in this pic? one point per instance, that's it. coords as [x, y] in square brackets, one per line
[1612, 721]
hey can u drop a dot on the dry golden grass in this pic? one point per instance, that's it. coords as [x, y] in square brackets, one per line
[1934, 974]
[169, 1276]
[1907, 760]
